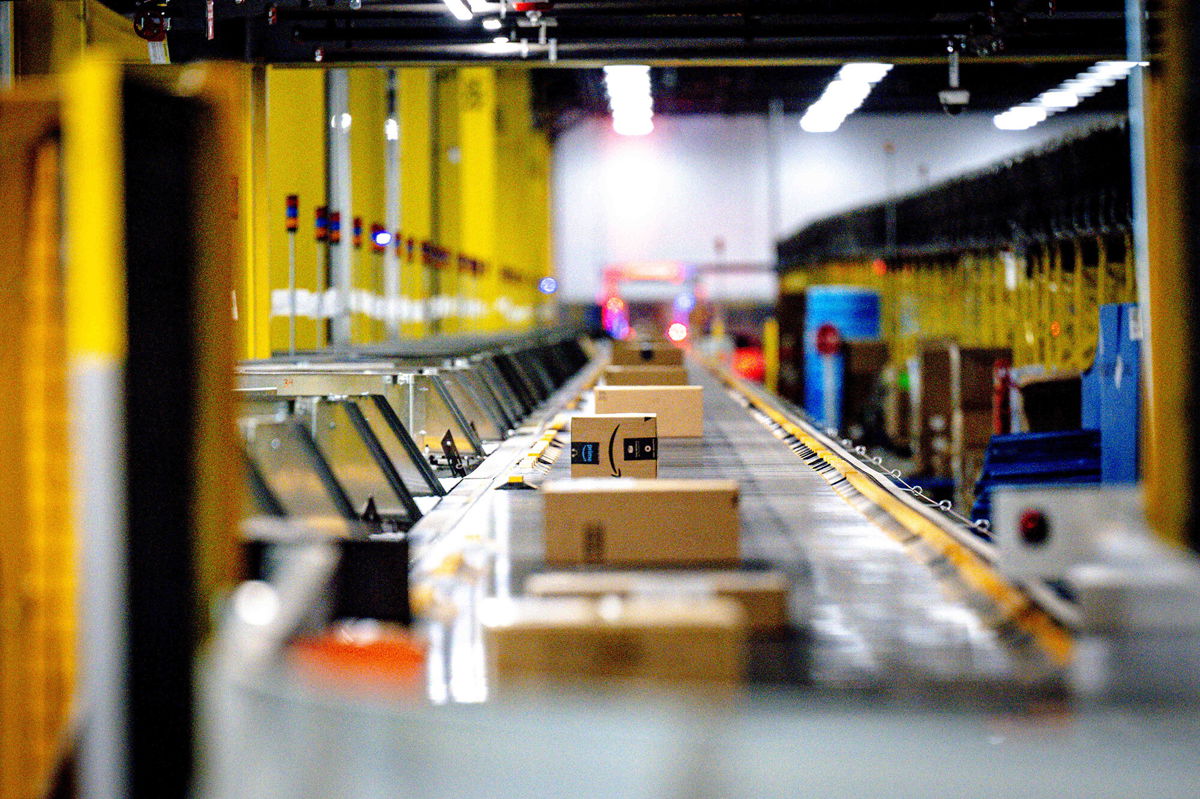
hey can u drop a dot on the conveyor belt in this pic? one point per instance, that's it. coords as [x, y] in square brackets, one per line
[867, 613]
[876, 606]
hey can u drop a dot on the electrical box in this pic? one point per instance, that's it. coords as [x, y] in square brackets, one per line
[1041, 533]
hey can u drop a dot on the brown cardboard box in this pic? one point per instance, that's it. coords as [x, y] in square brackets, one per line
[645, 354]
[680, 409]
[976, 366]
[936, 376]
[645, 376]
[649, 643]
[897, 410]
[971, 429]
[955, 399]
[630, 522]
[614, 445]
[863, 361]
[763, 595]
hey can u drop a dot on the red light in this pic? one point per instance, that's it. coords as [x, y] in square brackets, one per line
[677, 332]
[1033, 527]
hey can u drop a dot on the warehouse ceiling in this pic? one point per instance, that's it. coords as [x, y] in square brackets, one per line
[710, 56]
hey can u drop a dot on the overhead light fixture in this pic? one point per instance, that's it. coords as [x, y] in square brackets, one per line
[843, 96]
[459, 9]
[1068, 94]
[500, 46]
[492, 24]
[629, 99]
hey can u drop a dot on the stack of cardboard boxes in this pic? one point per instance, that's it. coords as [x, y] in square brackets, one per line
[682, 618]
[954, 421]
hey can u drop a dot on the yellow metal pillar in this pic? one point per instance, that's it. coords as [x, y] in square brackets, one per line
[509, 293]
[252, 298]
[368, 141]
[770, 343]
[416, 191]
[295, 164]
[447, 205]
[37, 549]
[1168, 462]
[480, 195]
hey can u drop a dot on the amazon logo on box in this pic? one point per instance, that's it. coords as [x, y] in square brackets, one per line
[614, 445]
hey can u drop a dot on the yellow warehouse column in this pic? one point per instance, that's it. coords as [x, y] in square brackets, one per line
[295, 164]
[447, 189]
[253, 288]
[368, 111]
[481, 197]
[415, 104]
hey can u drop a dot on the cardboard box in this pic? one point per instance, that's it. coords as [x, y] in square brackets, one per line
[971, 429]
[614, 445]
[645, 376]
[976, 368]
[630, 522]
[862, 364]
[680, 409]
[645, 354]
[646, 643]
[762, 595]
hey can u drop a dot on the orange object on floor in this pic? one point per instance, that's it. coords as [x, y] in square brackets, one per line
[385, 657]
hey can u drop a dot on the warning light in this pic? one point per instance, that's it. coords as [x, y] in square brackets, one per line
[879, 267]
[547, 285]
[677, 332]
[322, 223]
[382, 238]
[614, 304]
[335, 227]
[1055, 329]
[293, 213]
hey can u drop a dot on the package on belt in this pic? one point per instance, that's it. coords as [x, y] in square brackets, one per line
[680, 409]
[614, 445]
[645, 354]
[654, 643]
[763, 595]
[632, 522]
[645, 376]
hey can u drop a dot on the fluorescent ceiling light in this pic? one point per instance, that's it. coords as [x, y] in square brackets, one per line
[492, 24]
[1068, 94]
[629, 99]
[458, 8]
[843, 96]
[499, 47]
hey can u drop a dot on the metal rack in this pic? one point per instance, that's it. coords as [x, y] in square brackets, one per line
[1020, 255]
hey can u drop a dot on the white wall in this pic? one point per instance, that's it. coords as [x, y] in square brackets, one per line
[669, 195]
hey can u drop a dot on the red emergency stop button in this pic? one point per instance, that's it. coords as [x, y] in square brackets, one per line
[1033, 527]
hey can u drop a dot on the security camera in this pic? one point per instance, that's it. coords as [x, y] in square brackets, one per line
[954, 101]
[953, 98]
